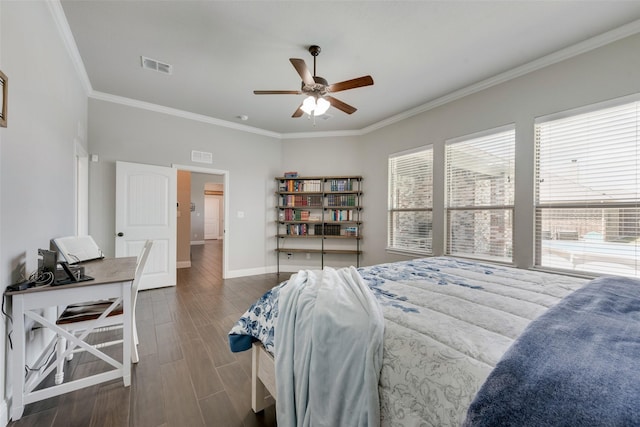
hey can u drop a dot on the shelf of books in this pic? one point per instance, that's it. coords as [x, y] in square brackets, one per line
[319, 217]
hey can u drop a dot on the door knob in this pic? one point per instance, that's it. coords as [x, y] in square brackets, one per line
[120, 234]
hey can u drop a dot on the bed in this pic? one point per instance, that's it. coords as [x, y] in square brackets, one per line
[447, 324]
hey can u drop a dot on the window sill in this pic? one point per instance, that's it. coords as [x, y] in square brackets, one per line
[408, 252]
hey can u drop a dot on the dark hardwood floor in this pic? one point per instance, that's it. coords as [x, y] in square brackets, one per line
[186, 375]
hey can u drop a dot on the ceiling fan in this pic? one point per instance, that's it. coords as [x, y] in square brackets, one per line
[317, 89]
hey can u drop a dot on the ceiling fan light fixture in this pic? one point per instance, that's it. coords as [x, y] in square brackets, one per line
[315, 107]
[308, 105]
[322, 105]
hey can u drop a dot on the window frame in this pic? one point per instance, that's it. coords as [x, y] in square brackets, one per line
[450, 209]
[585, 205]
[426, 207]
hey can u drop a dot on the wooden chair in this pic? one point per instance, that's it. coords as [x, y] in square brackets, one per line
[79, 317]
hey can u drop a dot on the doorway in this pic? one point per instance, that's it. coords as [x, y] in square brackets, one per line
[206, 183]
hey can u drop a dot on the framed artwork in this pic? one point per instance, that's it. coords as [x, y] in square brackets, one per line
[3, 101]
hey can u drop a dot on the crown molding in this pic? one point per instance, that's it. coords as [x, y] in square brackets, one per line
[323, 134]
[180, 113]
[60, 19]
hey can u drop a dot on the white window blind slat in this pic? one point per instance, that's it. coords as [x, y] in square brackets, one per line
[588, 191]
[410, 201]
[480, 195]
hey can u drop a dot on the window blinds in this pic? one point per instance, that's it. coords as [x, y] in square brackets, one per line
[480, 195]
[410, 201]
[588, 191]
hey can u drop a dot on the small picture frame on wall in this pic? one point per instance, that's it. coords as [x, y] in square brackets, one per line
[3, 101]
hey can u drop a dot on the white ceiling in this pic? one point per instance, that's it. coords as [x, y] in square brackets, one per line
[416, 51]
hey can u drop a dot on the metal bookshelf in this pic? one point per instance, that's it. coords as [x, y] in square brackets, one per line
[319, 215]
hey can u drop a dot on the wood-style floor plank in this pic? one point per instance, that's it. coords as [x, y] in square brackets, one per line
[106, 412]
[203, 373]
[147, 407]
[217, 410]
[76, 408]
[179, 398]
[186, 375]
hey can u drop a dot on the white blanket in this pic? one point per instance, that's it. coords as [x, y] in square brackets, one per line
[328, 368]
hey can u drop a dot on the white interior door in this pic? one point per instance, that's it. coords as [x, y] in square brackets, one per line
[146, 208]
[211, 217]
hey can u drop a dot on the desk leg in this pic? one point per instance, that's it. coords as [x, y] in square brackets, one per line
[19, 357]
[127, 337]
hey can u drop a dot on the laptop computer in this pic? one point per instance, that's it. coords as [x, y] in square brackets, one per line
[67, 275]
[76, 249]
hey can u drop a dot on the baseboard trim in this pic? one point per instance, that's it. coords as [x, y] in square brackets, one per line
[183, 264]
[249, 272]
[270, 269]
[197, 242]
[296, 268]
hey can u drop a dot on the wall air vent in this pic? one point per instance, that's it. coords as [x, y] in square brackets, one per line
[155, 65]
[201, 157]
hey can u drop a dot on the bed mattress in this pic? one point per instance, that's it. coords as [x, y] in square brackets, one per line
[448, 322]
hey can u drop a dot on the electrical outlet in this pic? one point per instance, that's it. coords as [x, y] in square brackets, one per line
[308, 256]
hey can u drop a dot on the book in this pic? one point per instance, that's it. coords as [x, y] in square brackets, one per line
[75, 249]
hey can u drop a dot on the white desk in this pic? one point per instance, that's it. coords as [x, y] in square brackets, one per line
[113, 278]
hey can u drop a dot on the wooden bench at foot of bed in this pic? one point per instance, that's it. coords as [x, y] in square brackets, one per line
[263, 378]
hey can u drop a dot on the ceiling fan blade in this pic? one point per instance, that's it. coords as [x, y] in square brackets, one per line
[277, 92]
[340, 105]
[302, 69]
[298, 112]
[351, 84]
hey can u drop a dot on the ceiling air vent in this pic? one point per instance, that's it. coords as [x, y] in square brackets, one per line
[155, 65]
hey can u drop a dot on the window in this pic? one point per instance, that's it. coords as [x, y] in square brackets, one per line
[410, 201]
[588, 191]
[480, 195]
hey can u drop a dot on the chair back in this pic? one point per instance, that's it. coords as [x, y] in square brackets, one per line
[142, 261]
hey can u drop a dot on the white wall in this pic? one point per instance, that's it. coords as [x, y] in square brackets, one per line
[321, 156]
[605, 73]
[118, 132]
[47, 112]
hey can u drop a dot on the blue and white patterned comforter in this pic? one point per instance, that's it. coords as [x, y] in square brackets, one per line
[447, 324]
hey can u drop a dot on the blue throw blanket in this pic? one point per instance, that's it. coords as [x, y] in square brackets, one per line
[576, 365]
[329, 338]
